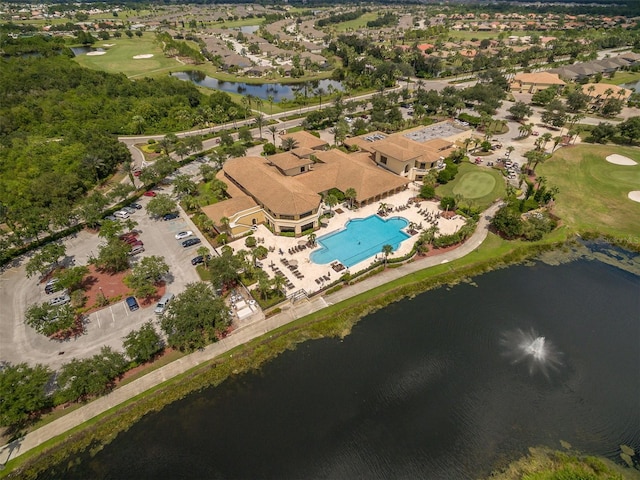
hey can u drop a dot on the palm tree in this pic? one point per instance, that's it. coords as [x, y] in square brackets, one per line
[331, 201]
[259, 104]
[312, 238]
[289, 143]
[224, 223]
[233, 113]
[138, 123]
[510, 149]
[259, 122]
[127, 168]
[270, 99]
[273, 130]
[556, 142]
[278, 283]
[320, 92]
[350, 194]
[386, 251]
[546, 138]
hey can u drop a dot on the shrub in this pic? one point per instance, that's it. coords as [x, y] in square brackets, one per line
[269, 148]
[427, 192]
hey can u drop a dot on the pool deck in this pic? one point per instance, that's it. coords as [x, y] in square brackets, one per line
[312, 271]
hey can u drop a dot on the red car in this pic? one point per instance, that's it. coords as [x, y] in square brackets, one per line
[137, 173]
[149, 194]
[128, 235]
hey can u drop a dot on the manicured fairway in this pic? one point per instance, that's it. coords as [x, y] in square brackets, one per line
[593, 192]
[119, 57]
[480, 184]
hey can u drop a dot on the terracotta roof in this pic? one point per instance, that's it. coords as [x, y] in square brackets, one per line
[306, 140]
[539, 78]
[278, 193]
[228, 208]
[302, 152]
[287, 160]
[598, 90]
[438, 144]
[390, 147]
[343, 171]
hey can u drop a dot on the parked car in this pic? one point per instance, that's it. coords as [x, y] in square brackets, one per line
[185, 234]
[136, 173]
[149, 194]
[128, 235]
[191, 242]
[132, 303]
[51, 286]
[136, 250]
[129, 210]
[61, 300]
[163, 303]
[199, 259]
[137, 206]
[121, 214]
[535, 134]
[137, 243]
[170, 216]
[130, 240]
[111, 218]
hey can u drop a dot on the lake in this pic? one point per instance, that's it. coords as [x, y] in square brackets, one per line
[448, 385]
[632, 86]
[279, 91]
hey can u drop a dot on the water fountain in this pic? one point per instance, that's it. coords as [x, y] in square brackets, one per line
[538, 352]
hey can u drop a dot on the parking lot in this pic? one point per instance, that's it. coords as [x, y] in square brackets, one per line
[20, 343]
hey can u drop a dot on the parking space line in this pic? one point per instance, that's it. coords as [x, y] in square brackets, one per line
[113, 317]
[98, 318]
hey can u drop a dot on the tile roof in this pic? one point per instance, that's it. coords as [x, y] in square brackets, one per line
[306, 140]
[539, 78]
[287, 160]
[228, 208]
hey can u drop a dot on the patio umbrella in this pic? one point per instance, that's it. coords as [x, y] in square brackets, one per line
[293, 262]
[302, 242]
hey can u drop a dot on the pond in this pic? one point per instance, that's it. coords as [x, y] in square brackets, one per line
[278, 91]
[632, 86]
[448, 385]
[77, 51]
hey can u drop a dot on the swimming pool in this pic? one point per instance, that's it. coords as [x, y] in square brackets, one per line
[361, 238]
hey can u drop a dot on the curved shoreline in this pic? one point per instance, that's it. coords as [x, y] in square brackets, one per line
[334, 316]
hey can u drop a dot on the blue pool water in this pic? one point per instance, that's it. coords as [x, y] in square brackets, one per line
[362, 238]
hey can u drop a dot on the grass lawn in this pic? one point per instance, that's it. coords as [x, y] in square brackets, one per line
[593, 192]
[357, 23]
[622, 77]
[480, 184]
[119, 58]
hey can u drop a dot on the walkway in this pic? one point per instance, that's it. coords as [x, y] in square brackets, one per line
[239, 337]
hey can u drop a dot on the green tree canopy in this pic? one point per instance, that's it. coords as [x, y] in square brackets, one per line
[161, 205]
[195, 318]
[143, 344]
[22, 390]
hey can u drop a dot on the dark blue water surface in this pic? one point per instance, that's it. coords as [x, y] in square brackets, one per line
[421, 389]
[278, 91]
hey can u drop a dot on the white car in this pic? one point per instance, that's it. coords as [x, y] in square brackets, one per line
[181, 235]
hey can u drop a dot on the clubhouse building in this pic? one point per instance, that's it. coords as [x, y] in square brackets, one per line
[285, 191]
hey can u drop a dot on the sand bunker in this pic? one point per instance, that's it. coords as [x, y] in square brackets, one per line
[108, 44]
[96, 53]
[620, 160]
[635, 195]
[145, 55]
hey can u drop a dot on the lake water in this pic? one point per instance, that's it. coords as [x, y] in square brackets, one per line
[279, 91]
[632, 86]
[426, 388]
[77, 51]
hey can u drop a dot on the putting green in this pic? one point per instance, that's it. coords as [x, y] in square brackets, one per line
[474, 185]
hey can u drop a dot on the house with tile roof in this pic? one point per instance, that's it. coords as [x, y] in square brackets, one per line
[533, 82]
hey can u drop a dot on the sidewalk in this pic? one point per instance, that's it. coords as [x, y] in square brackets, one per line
[239, 337]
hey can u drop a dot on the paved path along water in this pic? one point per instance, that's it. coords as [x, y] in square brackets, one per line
[239, 337]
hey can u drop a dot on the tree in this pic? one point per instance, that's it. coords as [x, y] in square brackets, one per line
[603, 132]
[273, 130]
[91, 209]
[22, 390]
[112, 257]
[386, 251]
[520, 111]
[225, 271]
[45, 259]
[182, 184]
[71, 278]
[611, 107]
[195, 318]
[145, 275]
[508, 222]
[80, 379]
[427, 191]
[48, 320]
[350, 194]
[161, 205]
[330, 201]
[289, 143]
[630, 129]
[144, 344]
[121, 191]
[110, 229]
[259, 121]
[244, 134]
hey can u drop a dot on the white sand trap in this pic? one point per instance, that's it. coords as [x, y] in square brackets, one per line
[620, 160]
[96, 53]
[144, 55]
[108, 44]
[635, 195]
